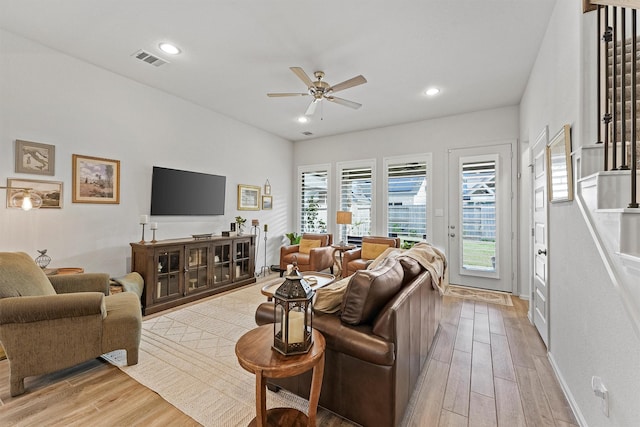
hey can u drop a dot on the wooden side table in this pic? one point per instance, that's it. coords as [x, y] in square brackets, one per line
[255, 354]
[340, 249]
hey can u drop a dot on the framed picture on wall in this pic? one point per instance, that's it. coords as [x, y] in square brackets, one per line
[267, 202]
[95, 180]
[35, 158]
[49, 191]
[248, 197]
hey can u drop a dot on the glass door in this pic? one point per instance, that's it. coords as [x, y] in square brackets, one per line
[198, 268]
[170, 272]
[222, 263]
[242, 259]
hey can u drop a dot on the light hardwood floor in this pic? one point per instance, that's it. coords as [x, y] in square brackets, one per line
[488, 368]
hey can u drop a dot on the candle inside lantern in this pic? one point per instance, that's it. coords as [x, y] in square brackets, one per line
[265, 227]
[153, 225]
[144, 219]
[296, 327]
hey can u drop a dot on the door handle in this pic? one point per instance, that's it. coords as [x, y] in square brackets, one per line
[542, 252]
[452, 234]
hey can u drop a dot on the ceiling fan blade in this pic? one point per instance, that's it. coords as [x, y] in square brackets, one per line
[274, 95]
[344, 102]
[355, 81]
[302, 75]
[312, 108]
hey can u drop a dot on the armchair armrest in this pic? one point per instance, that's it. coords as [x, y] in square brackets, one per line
[84, 282]
[289, 249]
[351, 255]
[321, 258]
[51, 307]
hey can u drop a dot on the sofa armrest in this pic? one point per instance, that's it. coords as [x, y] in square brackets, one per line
[51, 307]
[84, 282]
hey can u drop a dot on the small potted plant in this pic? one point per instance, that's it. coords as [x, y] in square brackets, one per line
[240, 224]
[294, 238]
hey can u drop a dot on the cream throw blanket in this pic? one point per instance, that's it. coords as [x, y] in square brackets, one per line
[429, 257]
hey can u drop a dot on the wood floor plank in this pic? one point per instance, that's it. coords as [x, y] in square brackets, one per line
[451, 308]
[451, 419]
[481, 369]
[456, 397]
[518, 346]
[464, 336]
[481, 328]
[535, 406]
[468, 309]
[481, 307]
[443, 350]
[431, 395]
[501, 357]
[496, 325]
[508, 406]
[559, 404]
[482, 411]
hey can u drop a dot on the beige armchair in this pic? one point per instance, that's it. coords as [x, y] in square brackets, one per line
[359, 258]
[314, 253]
[48, 324]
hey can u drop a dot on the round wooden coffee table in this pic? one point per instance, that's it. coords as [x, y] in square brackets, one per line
[318, 280]
[255, 354]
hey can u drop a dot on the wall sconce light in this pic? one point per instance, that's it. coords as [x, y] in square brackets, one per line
[343, 217]
[26, 198]
[267, 188]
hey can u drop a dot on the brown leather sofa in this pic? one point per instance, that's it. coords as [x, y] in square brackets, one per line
[353, 261]
[317, 259]
[376, 345]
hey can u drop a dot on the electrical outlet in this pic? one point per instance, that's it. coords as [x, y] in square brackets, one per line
[601, 391]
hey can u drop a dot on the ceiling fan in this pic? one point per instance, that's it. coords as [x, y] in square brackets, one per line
[320, 89]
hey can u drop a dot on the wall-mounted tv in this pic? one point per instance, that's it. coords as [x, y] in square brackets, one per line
[179, 192]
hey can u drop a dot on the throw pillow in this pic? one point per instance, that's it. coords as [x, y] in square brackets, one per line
[372, 250]
[307, 244]
[329, 298]
[369, 291]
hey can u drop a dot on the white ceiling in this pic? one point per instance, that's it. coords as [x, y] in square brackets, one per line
[479, 52]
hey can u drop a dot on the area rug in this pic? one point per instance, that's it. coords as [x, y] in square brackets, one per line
[480, 295]
[188, 357]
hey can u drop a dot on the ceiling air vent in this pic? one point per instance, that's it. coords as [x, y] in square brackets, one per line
[145, 56]
[307, 133]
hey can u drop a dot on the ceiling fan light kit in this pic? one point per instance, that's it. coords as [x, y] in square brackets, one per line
[321, 90]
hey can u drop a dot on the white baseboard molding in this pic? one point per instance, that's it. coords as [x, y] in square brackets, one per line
[567, 393]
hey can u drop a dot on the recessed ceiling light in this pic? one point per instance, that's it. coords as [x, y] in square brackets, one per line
[169, 48]
[432, 91]
[303, 119]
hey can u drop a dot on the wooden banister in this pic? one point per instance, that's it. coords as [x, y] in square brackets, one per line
[589, 5]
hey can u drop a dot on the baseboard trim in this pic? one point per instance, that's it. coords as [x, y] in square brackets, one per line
[567, 392]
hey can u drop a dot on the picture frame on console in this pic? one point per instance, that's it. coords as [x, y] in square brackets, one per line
[95, 180]
[49, 191]
[248, 197]
[267, 202]
[35, 158]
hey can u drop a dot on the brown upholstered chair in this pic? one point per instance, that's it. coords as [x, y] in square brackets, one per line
[317, 258]
[356, 259]
[52, 323]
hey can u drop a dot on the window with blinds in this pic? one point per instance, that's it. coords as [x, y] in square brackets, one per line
[407, 191]
[313, 200]
[357, 197]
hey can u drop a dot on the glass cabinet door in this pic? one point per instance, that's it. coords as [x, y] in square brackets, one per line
[242, 259]
[222, 263]
[169, 264]
[198, 268]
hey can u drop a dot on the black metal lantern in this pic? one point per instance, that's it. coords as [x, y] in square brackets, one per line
[293, 315]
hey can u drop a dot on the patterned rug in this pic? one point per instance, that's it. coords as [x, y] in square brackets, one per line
[188, 357]
[481, 295]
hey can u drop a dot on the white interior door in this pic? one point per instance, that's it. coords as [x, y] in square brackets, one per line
[540, 286]
[479, 227]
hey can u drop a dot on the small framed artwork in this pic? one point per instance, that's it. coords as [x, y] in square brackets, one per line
[49, 191]
[267, 202]
[35, 158]
[560, 174]
[95, 180]
[248, 197]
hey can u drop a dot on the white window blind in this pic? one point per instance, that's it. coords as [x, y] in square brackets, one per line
[356, 196]
[313, 200]
[407, 190]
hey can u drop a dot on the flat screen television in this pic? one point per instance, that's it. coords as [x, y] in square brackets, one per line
[179, 192]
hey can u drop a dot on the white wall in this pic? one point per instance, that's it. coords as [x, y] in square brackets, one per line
[55, 99]
[590, 332]
[430, 136]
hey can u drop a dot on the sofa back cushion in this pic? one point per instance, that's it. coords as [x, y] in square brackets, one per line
[20, 276]
[307, 244]
[369, 290]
